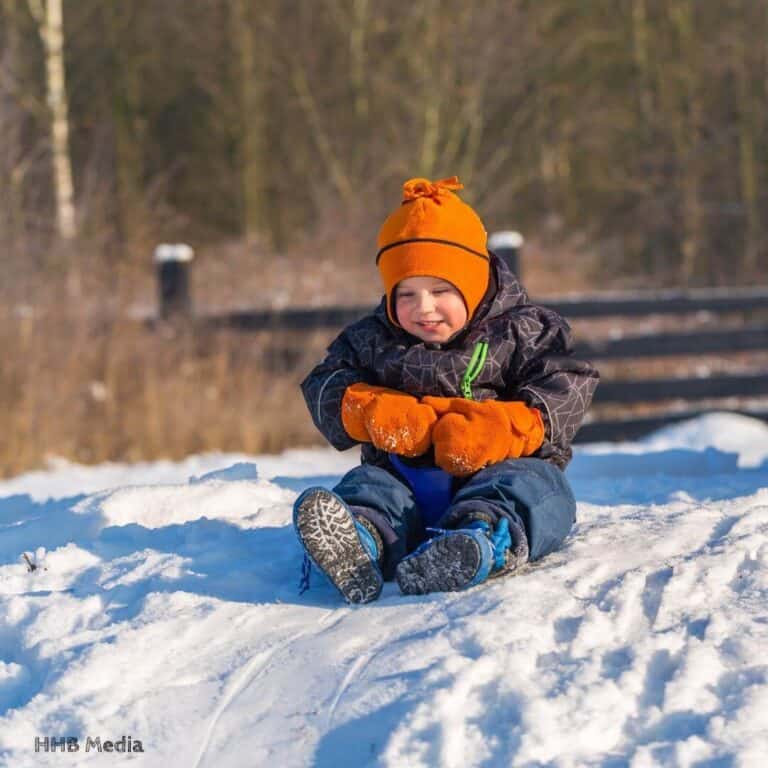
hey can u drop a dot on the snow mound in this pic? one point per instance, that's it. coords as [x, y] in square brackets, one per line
[742, 436]
[64, 478]
[242, 470]
[728, 432]
[237, 501]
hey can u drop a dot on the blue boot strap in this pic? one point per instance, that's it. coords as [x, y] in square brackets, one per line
[501, 538]
[367, 540]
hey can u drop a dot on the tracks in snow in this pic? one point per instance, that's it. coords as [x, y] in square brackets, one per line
[251, 671]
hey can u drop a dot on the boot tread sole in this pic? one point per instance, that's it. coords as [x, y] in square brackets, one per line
[448, 564]
[329, 536]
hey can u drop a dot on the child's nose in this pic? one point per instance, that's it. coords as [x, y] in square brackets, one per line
[426, 301]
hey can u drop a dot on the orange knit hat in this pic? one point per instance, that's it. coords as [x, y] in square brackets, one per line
[433, 233]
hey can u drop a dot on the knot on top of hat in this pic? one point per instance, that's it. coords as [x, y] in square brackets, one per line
[415, 188]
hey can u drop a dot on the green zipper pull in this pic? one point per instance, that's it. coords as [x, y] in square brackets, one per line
[476, 364]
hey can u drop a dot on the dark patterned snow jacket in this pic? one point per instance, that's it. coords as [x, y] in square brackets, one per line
[528, 358]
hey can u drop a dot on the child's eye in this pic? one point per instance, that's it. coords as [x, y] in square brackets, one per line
[404, 295]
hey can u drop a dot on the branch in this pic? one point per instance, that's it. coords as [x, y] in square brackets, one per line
[38, 14]
[324, 146]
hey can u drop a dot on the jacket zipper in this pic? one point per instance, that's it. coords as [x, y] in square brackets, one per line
[479, 354]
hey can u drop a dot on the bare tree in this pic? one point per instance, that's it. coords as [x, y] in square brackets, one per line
[12, 165]
[252, 46]
[50, 23]
[686, 115]
[748, 128]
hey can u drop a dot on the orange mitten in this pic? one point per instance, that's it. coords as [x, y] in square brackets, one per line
[470, 435]
[356, 398]
[527, 427]
[393, 421]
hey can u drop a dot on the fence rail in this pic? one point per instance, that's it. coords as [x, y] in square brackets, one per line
[704, 388]
[663, 303]
[315, 318]
[748, 339]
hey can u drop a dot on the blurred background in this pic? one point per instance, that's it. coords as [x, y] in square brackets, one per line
[626, 139]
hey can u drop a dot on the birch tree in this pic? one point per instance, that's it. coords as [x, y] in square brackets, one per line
[50, 21]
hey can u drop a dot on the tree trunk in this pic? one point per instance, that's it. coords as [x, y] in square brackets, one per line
[129, 131]
[641, 56]
[358, 76]
[253, 53]
[432, 90]
[51, 26]
[687, 116]
[748, 166]
[358, 59]
[12, 169]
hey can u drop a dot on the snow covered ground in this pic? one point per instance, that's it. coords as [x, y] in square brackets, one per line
[163, 606]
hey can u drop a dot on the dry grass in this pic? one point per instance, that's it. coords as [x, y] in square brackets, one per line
[99, 390]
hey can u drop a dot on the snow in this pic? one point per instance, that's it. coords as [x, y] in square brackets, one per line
[730, 433]
[164, 607]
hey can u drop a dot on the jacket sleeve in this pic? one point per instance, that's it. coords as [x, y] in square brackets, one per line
[546, 376]
[324, 388]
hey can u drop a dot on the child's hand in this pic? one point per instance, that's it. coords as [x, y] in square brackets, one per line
[393, 421]
[356, 398]
[470, 435]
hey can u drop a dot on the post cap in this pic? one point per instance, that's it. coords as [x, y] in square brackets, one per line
[174, 252]
[505, 239]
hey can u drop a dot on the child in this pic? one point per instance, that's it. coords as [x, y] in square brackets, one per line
[465, 398]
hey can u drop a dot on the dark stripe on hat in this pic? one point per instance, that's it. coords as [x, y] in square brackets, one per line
[431, 240]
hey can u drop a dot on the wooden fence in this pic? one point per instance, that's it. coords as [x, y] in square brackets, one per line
[680, 394]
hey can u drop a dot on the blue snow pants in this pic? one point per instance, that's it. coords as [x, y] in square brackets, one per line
[532, 493]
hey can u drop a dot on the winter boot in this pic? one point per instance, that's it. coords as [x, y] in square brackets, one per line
[457, 559]
[346, 548]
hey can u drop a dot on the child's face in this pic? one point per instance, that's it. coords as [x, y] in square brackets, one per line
[430, 308]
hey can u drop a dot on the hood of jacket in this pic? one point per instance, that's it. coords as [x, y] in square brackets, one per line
[504, 292]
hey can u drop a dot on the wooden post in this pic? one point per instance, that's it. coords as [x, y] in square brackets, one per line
[507, 246]
[173, 268]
